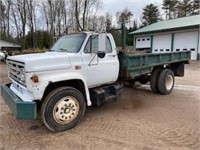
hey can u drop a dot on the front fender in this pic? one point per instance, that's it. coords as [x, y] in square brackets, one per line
[38, 89]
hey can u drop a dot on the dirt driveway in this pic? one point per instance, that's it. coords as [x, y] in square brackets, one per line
[139, 120]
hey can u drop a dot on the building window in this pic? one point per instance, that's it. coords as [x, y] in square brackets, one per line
[155, 50]
[192, 49]
[138, 40]
[161, 50]
[143, 39]
[185, 49]
[177, 50]
[167, 50]
[148, 39]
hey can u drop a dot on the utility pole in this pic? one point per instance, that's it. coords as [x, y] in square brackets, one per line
[123, 31]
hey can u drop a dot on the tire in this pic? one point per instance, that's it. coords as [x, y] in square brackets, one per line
[154, 80]
[166, 82]
[63, 109]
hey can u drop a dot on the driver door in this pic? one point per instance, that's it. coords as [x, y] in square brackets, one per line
[99, 71]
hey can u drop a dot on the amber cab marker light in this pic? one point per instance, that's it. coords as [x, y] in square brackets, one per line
[35, 79]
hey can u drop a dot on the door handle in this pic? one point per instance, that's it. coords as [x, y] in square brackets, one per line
[111, 55]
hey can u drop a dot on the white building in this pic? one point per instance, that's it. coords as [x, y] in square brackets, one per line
[182, 34]
[4, 45]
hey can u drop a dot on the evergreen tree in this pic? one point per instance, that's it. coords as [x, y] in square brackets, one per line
[184, 8]
[195, 7]
[180, 8]
[150, 15]
[170, 8]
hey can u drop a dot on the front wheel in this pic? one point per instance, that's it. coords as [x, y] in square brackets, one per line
[166, 82]
[63, 109]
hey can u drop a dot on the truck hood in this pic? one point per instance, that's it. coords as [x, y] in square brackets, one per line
[44, 61]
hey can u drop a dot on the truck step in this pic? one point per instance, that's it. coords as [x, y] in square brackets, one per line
[105, 94]
[110, 99]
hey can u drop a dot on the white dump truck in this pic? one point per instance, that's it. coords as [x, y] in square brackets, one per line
[81, 70]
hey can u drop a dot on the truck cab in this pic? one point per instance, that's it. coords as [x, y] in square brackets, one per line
[76, 64]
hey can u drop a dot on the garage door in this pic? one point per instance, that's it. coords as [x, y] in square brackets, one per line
[162, 43]
[143, 42]
[186, 42]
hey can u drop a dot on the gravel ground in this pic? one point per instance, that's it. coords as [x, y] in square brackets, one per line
[139, 120]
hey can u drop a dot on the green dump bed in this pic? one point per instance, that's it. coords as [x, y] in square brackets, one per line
[133, 65]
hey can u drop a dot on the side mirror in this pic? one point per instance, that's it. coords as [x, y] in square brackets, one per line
[101, 54]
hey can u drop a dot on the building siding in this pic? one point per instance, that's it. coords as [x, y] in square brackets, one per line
[189, 41]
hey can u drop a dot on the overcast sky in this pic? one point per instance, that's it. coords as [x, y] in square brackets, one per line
[135, 6]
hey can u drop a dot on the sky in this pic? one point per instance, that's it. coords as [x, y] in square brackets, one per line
[135, 6]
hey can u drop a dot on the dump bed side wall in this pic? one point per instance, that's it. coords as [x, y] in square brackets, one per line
[133, 65]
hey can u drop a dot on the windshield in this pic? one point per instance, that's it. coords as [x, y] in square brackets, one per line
[69, 43]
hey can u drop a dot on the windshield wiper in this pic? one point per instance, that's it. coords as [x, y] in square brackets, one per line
[62, 49]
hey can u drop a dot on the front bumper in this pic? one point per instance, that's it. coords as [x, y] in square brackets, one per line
[19, 108]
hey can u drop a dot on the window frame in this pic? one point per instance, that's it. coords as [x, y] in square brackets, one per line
[90, 39]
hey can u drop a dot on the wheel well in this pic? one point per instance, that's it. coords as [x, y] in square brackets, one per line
[77, 84]
[158, 67]
[177, 68]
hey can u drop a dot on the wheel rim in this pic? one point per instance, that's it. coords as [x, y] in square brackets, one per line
[169, 82]
[66, 110]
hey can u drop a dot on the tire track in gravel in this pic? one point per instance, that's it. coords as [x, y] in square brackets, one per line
[181, 137]
[176, 87]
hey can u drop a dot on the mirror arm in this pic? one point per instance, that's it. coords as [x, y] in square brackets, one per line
[90, 64]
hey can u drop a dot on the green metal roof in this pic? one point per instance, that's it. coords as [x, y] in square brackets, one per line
[180, 23]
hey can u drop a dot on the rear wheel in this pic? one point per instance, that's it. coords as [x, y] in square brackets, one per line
[166, 82]
[154, 80]
[63, 109]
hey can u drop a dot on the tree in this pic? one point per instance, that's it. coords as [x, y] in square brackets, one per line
[108, 22]
[150, 15]
[5, 17]
[170, 8]
[31, 18]
[184, 8]
[57, 17]
[175, 9]
[19, 10]
[83, 10]
[2, 18]
[195, 7]
[43, 38]
[124, 16]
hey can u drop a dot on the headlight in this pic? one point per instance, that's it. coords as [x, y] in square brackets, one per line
[22, 77]
[22, 74]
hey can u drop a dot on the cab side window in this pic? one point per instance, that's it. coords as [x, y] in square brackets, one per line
[108, 46]
[92, 45]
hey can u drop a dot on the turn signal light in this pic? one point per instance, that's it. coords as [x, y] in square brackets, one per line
[35, 79]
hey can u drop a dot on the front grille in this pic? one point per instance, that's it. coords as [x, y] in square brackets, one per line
[16, 70]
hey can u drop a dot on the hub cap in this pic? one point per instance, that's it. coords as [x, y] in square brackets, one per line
[66, 110]
[169, 82]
